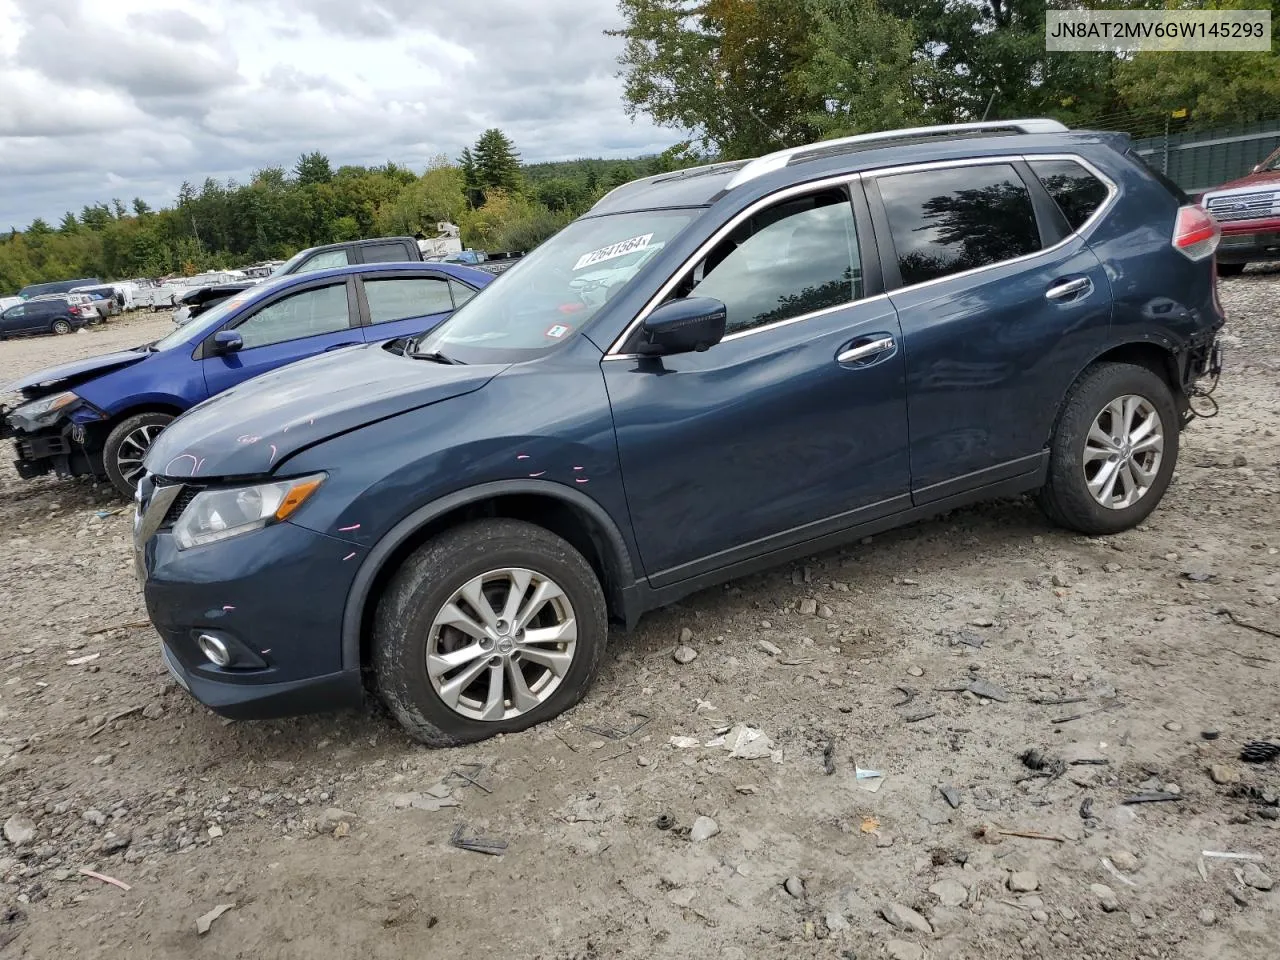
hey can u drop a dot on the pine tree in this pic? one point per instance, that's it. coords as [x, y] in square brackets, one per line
[69, 223]
[470, 179]
[313, 168]
[496, 161]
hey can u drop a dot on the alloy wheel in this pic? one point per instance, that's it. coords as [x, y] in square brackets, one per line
[502, 644]
[1123, 451]
[133, 450]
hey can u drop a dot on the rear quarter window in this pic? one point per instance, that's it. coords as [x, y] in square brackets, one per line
[1078, 193]
[1178, 193]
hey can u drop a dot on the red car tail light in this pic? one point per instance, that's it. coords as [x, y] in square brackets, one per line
[1195, 233]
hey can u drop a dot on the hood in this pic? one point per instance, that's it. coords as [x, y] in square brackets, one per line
[252, 428]
[68, 375]
[1268, 178]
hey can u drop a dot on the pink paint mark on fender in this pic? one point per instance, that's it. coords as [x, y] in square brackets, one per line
[228, 607]
[349, 556]
[268, 650]
[195, 463]
[247, 438]
[198, 466]
[522, 456]
[354, 526]
[581, 480]
[540, 473]
[579, 468]
[273, 453]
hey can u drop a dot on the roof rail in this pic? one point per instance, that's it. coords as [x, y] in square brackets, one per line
[670, 174]
[776, 161]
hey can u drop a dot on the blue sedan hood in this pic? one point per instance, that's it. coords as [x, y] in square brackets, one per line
[69, 374]
[251, 429]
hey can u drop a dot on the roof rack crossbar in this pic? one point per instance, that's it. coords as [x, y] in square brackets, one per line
[776, 161]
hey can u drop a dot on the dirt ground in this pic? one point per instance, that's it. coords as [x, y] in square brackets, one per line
[330, 836]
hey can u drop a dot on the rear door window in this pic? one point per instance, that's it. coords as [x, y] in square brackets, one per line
[1077, 192]
[948, 221]
[404, 297]
[461, 293]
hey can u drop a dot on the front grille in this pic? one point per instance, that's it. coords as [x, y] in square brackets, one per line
[1249, 206]
[181, 503]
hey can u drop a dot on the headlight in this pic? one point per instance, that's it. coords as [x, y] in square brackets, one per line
[219, 514]
[43, 412]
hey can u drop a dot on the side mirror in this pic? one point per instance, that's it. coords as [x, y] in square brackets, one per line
[1256, 168]
[227, 341]
[683, 326]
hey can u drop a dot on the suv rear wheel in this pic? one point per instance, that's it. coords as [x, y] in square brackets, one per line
[491, 627]
[61, 327]
[1114, 450]
[127, 447]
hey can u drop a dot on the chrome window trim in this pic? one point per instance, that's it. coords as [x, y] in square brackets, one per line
[1113, 191]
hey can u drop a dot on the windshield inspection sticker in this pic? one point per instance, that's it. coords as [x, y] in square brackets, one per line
[614, 250]
[556, 331]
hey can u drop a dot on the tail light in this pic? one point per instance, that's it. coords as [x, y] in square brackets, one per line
[1195, 233]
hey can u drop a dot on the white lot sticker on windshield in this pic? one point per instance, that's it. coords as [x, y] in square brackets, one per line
[614, 250]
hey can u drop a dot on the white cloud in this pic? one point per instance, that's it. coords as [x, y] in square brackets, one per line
[132, 97]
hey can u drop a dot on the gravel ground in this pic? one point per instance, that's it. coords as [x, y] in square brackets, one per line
[330, 836]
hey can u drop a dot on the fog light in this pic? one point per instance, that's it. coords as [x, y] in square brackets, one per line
[213, 648]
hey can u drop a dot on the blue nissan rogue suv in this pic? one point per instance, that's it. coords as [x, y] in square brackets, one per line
[712, 371]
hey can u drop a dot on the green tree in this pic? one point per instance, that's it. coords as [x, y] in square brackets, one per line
[312, 168]
[39, 228]
[497, 164]
[69, 223]
[560, 193]
[438, 195]
[97, 217]
[862, 69]
[117, 208]
[1213, 87]
[725, 72]
[470, 178]
[140, 207]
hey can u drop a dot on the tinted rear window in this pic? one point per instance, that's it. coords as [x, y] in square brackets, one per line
[385, 253]
[1078, 192]
[951, 220]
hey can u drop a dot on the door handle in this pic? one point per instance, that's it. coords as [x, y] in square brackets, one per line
[1060, 291]
[866, 350]
[339, 346]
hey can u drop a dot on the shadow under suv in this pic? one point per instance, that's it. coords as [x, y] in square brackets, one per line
[711, 372]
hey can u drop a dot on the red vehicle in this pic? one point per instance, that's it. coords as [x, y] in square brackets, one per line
[1249, 211]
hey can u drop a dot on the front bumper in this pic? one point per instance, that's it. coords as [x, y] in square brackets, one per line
[1244, 245]
[276, 594]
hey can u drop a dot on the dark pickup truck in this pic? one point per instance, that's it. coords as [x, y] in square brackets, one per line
[381, 250]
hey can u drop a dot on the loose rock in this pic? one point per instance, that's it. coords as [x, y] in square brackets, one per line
[153, 711]
[1106, 897]
[950, 893]
[686, 636]
[332, 818]
[1024, 881]
[1223, 773]
[1125, 861]
[1208, 917]
[904, 918]
[704, 828]
[795, 887]
[1254, 877]
[836, 922]
[203, 923]
[808, 607]
[19, 830]
[683, 654]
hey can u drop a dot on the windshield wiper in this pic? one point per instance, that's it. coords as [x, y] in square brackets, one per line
[435, 356]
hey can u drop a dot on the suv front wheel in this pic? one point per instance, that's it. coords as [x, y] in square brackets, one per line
[489, 628]
[1113, 452]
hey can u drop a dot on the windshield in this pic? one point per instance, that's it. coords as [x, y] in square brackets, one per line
[556, 289]
[212, 318]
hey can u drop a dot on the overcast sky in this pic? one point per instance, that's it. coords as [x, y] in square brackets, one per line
[125, 98]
